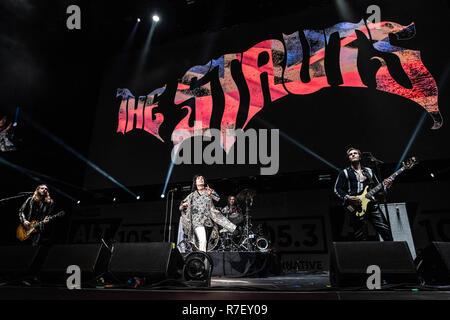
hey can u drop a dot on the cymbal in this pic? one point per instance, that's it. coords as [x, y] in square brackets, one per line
[245, 193]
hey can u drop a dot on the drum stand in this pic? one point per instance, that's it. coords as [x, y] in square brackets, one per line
[247, 234]
[227, 243]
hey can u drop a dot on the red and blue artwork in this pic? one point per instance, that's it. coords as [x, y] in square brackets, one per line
[293, 67]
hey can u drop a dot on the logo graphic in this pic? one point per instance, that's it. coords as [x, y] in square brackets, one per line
[297, 65]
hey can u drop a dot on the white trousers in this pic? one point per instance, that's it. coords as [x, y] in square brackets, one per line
[201, 236]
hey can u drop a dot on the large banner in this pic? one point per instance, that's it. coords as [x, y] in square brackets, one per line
[324, 88]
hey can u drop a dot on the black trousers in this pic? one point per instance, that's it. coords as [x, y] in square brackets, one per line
[375, 216]
[35, 239]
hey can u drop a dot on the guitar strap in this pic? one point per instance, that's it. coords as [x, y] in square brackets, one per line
[348, 180]
[369, 174]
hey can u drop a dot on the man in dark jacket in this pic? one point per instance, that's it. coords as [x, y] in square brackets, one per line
[38, 207]
[350, 182]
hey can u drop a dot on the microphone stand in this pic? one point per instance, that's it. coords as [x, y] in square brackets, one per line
[169, 233]
[14, 197]
[170, 217]
[377, 163]
[246, 232]
[165, 219]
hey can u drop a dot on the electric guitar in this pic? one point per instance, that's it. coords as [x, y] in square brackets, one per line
[366, 197]
[23, 233]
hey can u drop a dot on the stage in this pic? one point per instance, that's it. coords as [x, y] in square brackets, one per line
[308, 286]
[223, 158]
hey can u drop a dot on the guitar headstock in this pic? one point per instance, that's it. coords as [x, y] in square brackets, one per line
[411, 162]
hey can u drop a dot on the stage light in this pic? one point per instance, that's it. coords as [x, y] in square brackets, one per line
[145, 52]
[197, 269]
[432, 175]
[412, 139]
[169, 173]
[162, 196]
[138, 197]
[78, 202]
[138, 20]
[16, 117]
[114, 199]
[422, 119]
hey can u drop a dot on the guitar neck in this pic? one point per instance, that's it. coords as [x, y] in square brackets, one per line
[50, 218]
[379, 186]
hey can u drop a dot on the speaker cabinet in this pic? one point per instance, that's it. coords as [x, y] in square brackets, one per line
[92, 259]
[349, 262]
[433, 264]
[154, 261]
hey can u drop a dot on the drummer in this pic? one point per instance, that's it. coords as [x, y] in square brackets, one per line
[232, 206]
[232, 210]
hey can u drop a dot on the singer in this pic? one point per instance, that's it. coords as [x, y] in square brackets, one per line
[38, 207]
[198, 211]
[350, 182]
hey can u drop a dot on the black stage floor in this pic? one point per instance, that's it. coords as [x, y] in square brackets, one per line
[299, 286]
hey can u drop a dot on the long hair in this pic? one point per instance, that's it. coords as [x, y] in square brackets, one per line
[194, 185]
[36, 196]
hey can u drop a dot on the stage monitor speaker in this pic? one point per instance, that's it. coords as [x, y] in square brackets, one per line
[153, 261]
[92, 259]
[20, 261]
[433, 264]
[349, 262]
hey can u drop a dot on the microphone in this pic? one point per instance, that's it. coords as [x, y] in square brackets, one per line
[371, 158]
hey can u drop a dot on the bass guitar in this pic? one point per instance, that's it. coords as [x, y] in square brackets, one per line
[359, 207]
[23, 233]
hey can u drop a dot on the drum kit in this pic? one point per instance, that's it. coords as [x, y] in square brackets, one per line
[248, 238]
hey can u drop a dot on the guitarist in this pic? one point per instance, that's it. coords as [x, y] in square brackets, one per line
[37, 207]
[350, 182]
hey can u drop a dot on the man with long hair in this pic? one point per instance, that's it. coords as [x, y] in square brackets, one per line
[38, 207]
[232, 211]
[198, 211]
[350, 182]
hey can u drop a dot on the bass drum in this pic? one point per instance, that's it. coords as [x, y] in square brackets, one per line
[262, 244]
[213, 240]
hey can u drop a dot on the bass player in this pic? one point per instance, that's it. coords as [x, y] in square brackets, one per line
[350, 182]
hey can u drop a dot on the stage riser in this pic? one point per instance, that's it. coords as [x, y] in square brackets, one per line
[245, 264]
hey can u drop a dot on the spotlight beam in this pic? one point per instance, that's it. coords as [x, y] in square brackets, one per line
[169, 173]
[33, 177]
[75, 153]
[131, 36]
[301, 146]
[55, 179]
[145, 52]
[422, 119]
[412, 138]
